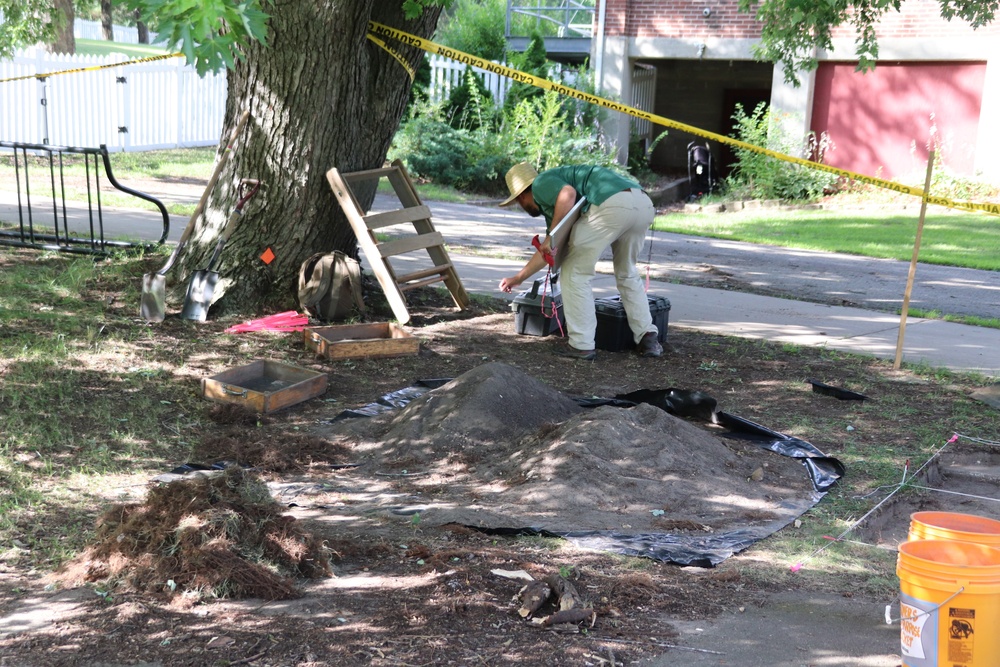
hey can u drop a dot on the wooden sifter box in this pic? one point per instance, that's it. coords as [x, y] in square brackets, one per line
[350, 341]
[264, 386]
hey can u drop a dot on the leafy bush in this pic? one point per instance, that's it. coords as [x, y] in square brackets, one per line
[758, 176]
[467, 159]
[470, 143]
[476, 156]
[533, 61]
[476, 27]
[470, 105]
[947, 183]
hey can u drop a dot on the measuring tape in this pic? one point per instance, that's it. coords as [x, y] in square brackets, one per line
[385, 32]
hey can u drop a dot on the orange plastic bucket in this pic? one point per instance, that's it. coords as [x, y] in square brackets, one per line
[954, 526]
[949, 604]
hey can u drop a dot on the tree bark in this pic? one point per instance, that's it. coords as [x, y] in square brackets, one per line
[141, 29]
[63, 15]
[107, 25]
[321, 95]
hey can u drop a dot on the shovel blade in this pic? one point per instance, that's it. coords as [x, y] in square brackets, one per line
[199, 295]
[153, 302]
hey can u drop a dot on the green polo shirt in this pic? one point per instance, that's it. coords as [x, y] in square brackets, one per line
[597, 184]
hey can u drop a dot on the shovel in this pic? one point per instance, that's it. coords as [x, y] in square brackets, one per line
[202, 286]
[152, 304]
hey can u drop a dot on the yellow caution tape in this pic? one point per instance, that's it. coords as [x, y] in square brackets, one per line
[395, 54]
[385, 31]
[378, 30]
[46, 75]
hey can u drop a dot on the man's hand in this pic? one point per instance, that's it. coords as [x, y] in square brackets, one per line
[544, 249]
[509, 283]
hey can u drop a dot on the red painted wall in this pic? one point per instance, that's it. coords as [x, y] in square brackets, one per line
[881, 122]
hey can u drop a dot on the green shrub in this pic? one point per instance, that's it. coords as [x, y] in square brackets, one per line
[533, 61]
[470, 142]
[476, 27]
[538, 131]
[472, 160]
[470, 106]
[759, 176]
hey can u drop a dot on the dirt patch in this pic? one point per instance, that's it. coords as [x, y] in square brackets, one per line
[410, 589]
[961, 479]
[518, 454]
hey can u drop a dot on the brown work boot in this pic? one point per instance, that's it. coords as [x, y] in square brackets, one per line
[570, 352]
[649, 345]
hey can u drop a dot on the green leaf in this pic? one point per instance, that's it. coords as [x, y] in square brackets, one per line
[412, 9]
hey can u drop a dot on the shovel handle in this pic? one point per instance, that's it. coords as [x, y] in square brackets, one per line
[208, 190]
[231, 223]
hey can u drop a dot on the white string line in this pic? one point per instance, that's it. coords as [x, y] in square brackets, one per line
[955, 493]
[979, 440]
[798, 566]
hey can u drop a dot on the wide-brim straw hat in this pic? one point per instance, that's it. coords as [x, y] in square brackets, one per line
[519, 179]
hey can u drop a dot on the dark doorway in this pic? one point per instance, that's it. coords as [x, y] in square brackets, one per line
[748, 99]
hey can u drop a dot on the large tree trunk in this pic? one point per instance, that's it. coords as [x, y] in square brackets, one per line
[141, 29]
[321, 95]
[63, 15]
[107, 25]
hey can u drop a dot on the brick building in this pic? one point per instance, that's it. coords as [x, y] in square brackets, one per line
[932, 75]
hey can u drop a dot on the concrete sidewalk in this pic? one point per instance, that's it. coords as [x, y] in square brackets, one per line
[507, 233]
[936, 343]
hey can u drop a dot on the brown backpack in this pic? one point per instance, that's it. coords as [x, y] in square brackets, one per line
[330, 286]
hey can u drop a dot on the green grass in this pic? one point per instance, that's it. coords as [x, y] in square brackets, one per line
[949, 238]
[100, 47]
[89, 400]
[428, 192]
[179, 163]
[190, 164]
[990, 322]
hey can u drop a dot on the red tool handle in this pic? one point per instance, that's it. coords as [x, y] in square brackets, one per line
[537, 245]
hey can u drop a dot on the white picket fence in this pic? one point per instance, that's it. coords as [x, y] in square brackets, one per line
[156, 105]
[448, 74]
[152, 105]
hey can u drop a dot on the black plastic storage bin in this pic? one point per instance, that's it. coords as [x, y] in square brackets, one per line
[613, 334]
[533, 313]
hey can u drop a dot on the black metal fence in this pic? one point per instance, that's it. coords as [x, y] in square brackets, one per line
[49, 220]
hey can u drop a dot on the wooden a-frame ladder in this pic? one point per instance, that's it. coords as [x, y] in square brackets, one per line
[419, 272]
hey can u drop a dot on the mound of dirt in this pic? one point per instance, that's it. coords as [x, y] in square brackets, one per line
[513, 453]
[466, 419]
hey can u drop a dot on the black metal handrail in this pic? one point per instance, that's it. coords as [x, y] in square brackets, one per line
[32, 234]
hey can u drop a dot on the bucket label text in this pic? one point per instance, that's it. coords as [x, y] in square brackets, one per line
[961, 635]
[918, 641]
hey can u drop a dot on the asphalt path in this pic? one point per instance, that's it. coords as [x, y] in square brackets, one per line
[486, 229]
[820, 277]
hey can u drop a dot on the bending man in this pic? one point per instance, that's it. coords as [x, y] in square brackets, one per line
[617, 213]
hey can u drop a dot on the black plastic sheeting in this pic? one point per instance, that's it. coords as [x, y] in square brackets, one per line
[837, 392]
[824, 471]
[392, 401]
[696, 550]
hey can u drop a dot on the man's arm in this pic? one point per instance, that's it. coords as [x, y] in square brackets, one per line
[534, 265]
[565, 201]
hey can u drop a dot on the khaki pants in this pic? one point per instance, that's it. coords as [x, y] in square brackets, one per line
[620, 222]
